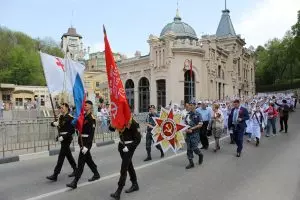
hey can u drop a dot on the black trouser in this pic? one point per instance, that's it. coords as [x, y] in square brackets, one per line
[85, 158]
[65, 151]
[126, 166]
[284, 120]
[149, 141]
[203, 134]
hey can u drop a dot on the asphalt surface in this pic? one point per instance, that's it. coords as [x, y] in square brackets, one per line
[270, 171]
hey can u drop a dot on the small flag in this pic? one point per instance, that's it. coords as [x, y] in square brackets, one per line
[74, 74]
[54, 70]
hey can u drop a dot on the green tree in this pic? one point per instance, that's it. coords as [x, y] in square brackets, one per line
[278, 61]
[20, 60]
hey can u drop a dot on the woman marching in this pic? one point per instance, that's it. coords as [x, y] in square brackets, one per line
[257, 119]
[217, 125]
[249, 122]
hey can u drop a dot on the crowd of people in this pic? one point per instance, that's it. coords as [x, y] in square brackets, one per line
[239, 117]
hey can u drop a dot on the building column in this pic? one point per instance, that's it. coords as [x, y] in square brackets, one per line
[217, 92]
[220, 85]
[153, 89]
[224, 92]
[136, 100]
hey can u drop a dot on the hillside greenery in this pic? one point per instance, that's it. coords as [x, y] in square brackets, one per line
[19, 57]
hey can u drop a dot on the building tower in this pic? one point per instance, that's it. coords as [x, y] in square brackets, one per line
[71, 44]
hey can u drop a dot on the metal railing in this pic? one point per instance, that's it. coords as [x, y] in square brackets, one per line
[36, 135]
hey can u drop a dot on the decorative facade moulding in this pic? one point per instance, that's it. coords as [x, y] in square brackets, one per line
[187, 65]
[147, 73]
[135, 75]
[190, 51]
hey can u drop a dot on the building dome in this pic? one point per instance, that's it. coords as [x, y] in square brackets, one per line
[180, 29]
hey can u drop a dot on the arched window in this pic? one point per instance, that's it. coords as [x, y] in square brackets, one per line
[219, 71]
[129, 88]
[144, 94]
[189, 85]
[161, 93]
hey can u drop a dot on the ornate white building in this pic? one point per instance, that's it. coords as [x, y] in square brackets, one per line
[221, 66]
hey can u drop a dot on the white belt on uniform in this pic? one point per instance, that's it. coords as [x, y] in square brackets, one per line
[84, 135]
[126, 142]
[63, 133]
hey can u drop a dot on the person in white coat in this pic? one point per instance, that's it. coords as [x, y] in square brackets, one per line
[251, 110]
[224, 112]
[257, 124]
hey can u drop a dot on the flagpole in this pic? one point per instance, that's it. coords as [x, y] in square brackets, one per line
[191, 83]
[52, 105]
[51, 100]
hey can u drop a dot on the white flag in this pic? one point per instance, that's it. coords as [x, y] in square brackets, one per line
[54, 68]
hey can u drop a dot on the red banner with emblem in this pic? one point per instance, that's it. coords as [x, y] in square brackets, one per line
[120, 111]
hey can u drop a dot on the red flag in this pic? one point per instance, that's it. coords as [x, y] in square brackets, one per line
[120, 111]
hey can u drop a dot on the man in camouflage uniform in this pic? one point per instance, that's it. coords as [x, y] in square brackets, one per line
[193, 119]
[150, 123]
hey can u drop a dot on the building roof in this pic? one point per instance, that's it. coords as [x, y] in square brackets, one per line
[225, 27]
[179, 28]
[71, 32]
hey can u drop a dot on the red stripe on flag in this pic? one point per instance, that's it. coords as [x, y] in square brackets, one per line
[120, 111]
[80, 120]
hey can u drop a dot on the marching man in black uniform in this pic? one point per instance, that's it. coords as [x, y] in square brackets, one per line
[149, 140]
[85, 141]
[66, 130]
[130, 138]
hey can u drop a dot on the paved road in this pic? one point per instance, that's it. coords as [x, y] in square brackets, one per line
[270, 171]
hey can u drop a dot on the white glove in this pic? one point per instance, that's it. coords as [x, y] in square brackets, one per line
[60, 138]
[55, 123]
[84, 150]
[125, 149]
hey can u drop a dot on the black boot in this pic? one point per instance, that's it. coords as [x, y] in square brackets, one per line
[73, 173]
[231, 139]
[162, 154]
[148, 155]
[53, 177]
[95, 177]
[117, 194]
[257, 141]
[73, 184]
[200, 159]
[190, 165]
[133, 188]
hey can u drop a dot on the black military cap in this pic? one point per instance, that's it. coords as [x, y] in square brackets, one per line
[193, 102]
[89, 102]
[151, 106]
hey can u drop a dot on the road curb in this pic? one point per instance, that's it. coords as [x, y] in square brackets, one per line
[49, 153]
[9, 159]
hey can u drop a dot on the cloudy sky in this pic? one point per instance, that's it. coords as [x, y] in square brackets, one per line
[129, 23]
